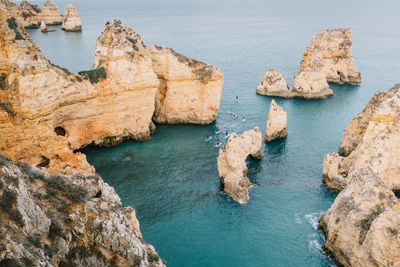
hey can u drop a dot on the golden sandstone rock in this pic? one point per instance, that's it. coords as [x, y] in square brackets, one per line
[362, 226]
[71, 21]
[232, 167]
[47, 112]
[276, 124]
[273, 84]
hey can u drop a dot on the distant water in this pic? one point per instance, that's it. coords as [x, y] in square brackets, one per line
[172, 180]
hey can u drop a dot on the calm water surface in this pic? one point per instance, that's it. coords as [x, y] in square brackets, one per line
[172, 180]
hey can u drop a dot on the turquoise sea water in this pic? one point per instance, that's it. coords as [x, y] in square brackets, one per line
[172, 180]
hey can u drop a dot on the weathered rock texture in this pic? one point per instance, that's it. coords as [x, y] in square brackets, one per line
[232, 167]
[50, 13]
[47, 112]
[371, 139]
[335, 49]
[43, 26]
[273, 84]
[52, 220]
[71, 21]
[362, 226]
[189, 90]
[276, 124]
[30, 16]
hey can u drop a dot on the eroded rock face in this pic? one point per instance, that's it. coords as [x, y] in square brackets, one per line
[362, 223]
[71, 21]
[26, 14]
[273, 84]
[276, 124]
[76, 220]
[189, 90]
[311, 82]
[362, 226]
[335, 49]
[50, 13]
[371, 139]
[232, 167]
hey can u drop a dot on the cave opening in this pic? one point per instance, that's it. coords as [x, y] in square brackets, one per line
[60, 131]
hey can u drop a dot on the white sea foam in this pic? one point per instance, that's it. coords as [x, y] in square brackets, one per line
[313, 218]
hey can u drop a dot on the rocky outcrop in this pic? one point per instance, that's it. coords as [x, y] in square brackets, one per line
[371, 139]
[232, 167]
[43, 26]
[50, 14]
[273, 84]
[276, 124]
[334, 46]
[53, 220]
[46, 112]
[71, 21]
[189, 90]
[362, 225]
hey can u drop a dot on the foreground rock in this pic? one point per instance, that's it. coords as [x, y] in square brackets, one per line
[273, 84]
[51, 14]
[362, 225]
[371, 139]
[71, 21]
[189, 90]
[276, 124]
[334, 46]
[232, 167]
[52, 220]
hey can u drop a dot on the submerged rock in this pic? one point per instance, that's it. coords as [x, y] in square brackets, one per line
[276, 124]
[189, 90]
[51, 14]
[335, 49]
[71, 21]
[232, 167]
[273, 84]
[52, 220]
[43, 26]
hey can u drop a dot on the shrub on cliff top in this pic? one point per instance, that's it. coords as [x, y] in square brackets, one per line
[94, 75]
[13, 26]
[76, 193]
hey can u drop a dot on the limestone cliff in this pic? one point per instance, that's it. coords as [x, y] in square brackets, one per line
[335, 49]
[276, 123]
[362, 226]
[232, 167]
[51, 14]
[189, 90]
[273, 84]
[371, 139]
[71, 21]
[54, 220]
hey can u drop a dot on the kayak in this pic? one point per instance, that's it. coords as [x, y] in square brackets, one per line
[208, 139]
[218, 145]
[226, 136]
[217, 132]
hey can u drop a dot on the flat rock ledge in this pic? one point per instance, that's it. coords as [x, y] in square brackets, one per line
[232, 167]
[276, 124]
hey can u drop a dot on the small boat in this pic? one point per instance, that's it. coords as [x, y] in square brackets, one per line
[218, 144]
[217, 132]
[208, 138]
[235, 116]
[244, 120]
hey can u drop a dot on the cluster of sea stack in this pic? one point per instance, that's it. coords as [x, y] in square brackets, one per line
[54, 209]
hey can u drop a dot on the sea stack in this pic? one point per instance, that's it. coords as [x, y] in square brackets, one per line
[276, 124]
[273, 84]
[232, 167]
[51, 14]
[310, 82]
[362, 227]
[335, 49]
[71, 21]
[43, 26]
[189, 91]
